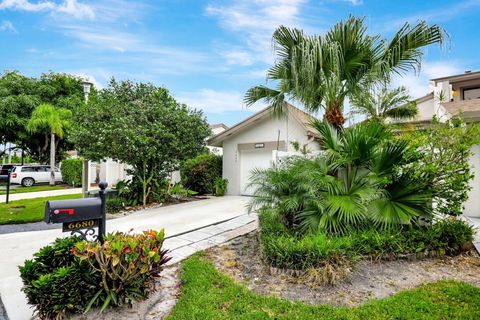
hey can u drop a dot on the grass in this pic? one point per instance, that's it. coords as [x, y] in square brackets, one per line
[28, 210]
[36, 188]
[209, 294]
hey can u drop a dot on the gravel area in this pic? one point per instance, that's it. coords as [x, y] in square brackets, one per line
[239, 259]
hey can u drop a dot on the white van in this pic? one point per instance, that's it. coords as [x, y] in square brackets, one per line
[30, 174]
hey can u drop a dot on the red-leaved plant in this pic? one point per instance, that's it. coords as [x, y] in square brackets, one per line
[128, 263]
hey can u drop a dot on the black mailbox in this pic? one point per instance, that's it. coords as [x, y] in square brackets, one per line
[80, 214]
[59, 211]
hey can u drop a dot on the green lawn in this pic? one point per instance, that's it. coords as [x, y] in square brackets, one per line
[28, 210]
[209, 294]
[36, 188]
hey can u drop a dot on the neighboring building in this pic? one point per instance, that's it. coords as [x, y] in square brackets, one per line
[451, 97]
[256, 141]
[216, 129]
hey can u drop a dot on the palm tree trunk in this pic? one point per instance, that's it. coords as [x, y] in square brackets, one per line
[334, 116]
[52, 159]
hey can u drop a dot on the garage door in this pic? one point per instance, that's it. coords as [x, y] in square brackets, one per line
[249, 160]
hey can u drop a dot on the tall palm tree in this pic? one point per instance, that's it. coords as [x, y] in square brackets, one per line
[382, 103]
[321, 71]
[47, 117]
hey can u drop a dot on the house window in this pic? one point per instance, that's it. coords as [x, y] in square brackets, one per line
[471, 93]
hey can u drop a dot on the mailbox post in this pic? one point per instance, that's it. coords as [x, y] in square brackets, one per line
[80, 216]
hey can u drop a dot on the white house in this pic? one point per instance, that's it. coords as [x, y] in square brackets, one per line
[450, 97]
[256, 141]
[216, 129]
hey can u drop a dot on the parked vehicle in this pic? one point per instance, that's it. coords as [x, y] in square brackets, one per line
[4, 171]
[30, 174]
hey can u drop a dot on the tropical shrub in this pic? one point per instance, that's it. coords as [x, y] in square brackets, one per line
[72, 171]
[282, 249]
[128, 265]
[56, 283]
[221, 187]
[442, 165]
[358, 180]
[199, 174]
[72, 276]
[115, 205]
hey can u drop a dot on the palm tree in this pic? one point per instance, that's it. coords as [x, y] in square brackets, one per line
[55, 120]
[356, 181]
[379, 104]
[322, 71]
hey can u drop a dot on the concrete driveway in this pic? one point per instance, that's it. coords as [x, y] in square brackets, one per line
[15, 248]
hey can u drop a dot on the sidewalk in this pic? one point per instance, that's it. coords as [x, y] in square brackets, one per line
[189, 227]
[40, 194]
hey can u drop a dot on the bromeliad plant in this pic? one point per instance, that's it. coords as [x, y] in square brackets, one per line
[358, 180]
[128, 265]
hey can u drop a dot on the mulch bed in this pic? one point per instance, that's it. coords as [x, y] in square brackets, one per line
[241, 260]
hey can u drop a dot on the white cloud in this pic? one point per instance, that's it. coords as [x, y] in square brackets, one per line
[213, 101]
[6, 25]
[71, 8]
[76, 9]
[256, 20]
[239, 57]
[355, 2]
[418, 84]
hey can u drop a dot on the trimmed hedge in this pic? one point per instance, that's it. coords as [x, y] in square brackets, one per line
[199, 174]
[72, 171]
[283, 250]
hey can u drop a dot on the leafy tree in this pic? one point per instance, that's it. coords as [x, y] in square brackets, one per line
[20, 95]
[48, 118]
[442, 165]
[322, 71]
[379, 104]
[143, 126]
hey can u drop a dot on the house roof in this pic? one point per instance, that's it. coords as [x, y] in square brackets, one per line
[302, 117]
[459, 77]
[424, 98]
[218, 125]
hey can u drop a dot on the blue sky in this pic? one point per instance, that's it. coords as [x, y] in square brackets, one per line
[207, 53]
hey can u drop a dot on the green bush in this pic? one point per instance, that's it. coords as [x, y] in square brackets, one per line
[128, 263]
[115, 205]
[282, 249]
[66, 277]
[221, 187]
[72, 171]
[56, 283]
[199, 174]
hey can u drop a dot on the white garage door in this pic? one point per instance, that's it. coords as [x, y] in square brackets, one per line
[250, 160]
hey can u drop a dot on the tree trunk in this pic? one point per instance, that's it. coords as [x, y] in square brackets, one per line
[52, 159]
[334, 116]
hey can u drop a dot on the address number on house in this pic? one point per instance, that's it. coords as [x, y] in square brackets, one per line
[77, 225]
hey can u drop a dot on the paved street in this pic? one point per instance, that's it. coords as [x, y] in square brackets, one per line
[183, 225]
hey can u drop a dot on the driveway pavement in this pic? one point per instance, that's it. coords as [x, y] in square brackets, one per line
[178, 220]
[40, 194]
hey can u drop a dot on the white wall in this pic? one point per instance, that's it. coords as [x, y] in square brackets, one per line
[260, 131]
[472, 206]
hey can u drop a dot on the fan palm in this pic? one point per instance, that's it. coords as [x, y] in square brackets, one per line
[358, 179]
[322, 71]
[47, 117]
[380, 104]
